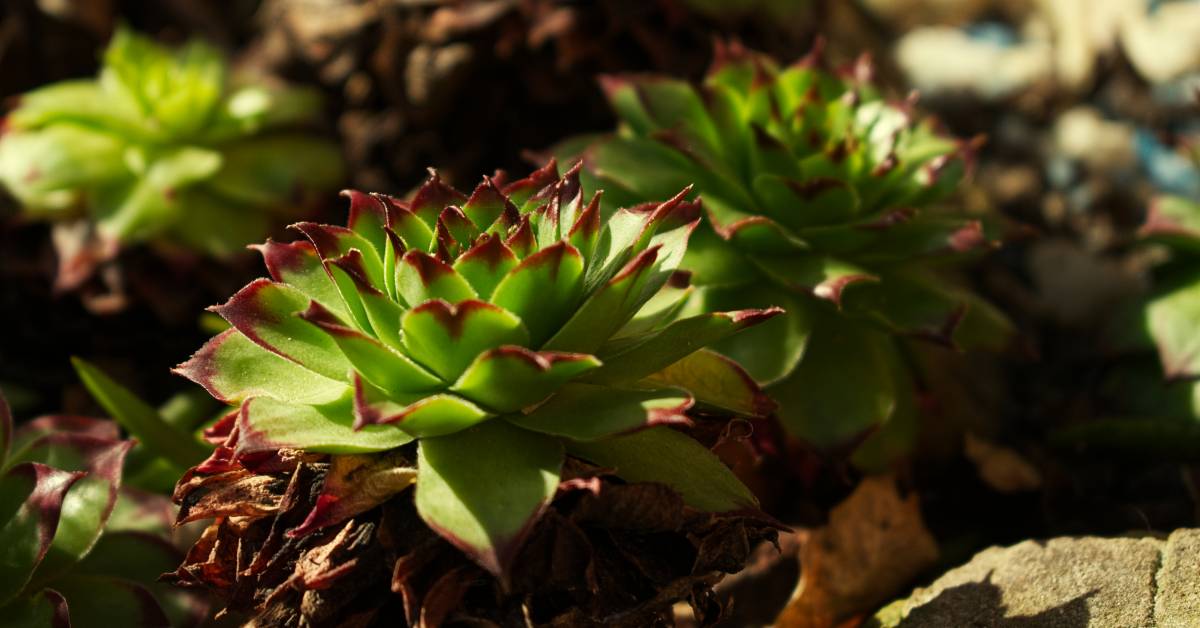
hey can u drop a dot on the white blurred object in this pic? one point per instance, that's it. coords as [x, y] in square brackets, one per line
[1083, 134]
[1162, 45]
[940, 59]
[1066, 39]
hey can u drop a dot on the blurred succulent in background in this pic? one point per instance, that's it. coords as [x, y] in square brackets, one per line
[820, 199]
[165, 146]
[76, 547]
[467, 346]
[1156, 399]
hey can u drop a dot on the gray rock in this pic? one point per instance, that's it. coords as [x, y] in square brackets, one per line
[1063, 583]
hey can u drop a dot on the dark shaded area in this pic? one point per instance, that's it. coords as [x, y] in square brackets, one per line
[980, 605]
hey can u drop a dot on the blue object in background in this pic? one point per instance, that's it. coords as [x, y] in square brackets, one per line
[998, 34]
[1169, 170]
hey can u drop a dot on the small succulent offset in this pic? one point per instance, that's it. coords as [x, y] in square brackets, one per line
[818, 195]
[166, 146]
[501, 332]
[75, 548]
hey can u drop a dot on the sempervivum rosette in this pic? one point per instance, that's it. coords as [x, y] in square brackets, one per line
[818, 195]
[76, 547]
[167, 146]
[467, 345]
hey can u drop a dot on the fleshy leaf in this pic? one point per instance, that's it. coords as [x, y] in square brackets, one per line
[233, 368]
[508, 378]
[543, 290]
[607, 309]
[485, 264]
[631, 359]
[668, 457]
[265, 425]
[298, 265]
[267, 313]
[26, 535]
[447, 338]
[87, 506]
[434, 415]
[590, 412]
[1171, 319]
[384, 367]
[421, 277]
[844, 385]
[483, 488]
[715, 381]
[770, 351]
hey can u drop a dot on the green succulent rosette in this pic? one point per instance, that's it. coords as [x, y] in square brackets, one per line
[500, 331]
[820, 199]
[76, 548]
[166, 145]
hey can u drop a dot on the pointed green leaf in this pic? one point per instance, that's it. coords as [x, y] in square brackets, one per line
[1171, 316]
[438, 415]
[759, 234]
[806, 203]
[267, 313]
[716, 381]
[142, 421]
[607, 309]
[482, 489]
[509, 378]
[421, 277]
[824, 277]
[87, 506]
[668, 457]
[487, 204]
[589, 412]
[485, 264]
[233, 368]
[769, 351]
[630, 359]
[845, 384]
[333, 242]
[446, 338]
[298, 265]
[386, 368]
[27, 533]
[265, 425]
[543, 290]
[416, 234]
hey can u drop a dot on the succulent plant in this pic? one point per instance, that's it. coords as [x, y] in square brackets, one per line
[77, 548]
[819, 199]
[466, 345]
[1153, 391]
[166, 146]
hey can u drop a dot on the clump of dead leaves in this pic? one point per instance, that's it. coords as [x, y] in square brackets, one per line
[304, 539]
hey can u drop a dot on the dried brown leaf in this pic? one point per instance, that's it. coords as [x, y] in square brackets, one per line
[874, 544]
